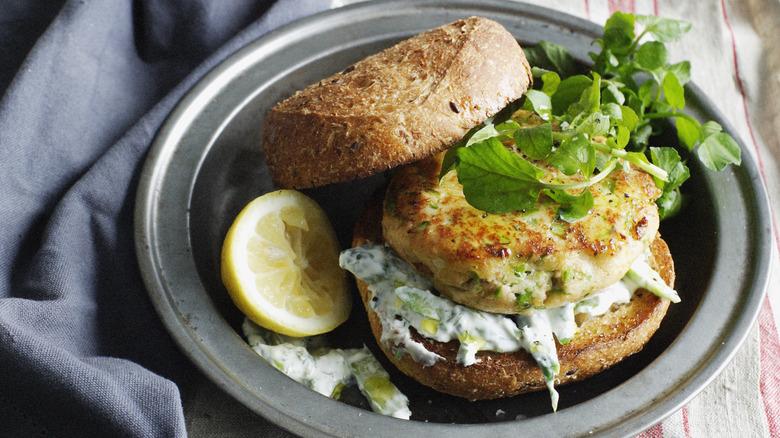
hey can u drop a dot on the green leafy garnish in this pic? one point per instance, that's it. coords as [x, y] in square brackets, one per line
[535, 142]
[497, 180]
[589, 123]
[552, 57]
[573, 207]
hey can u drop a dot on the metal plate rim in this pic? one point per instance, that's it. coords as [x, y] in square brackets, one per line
[152, 186]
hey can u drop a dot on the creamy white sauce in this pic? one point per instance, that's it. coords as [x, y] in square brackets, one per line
[600, 303]
[402, 299]
[643, 275]
[561, 321]
[323, 372]
[326, 370]
[374, 383]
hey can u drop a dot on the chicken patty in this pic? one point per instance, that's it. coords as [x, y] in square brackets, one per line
[515, 262]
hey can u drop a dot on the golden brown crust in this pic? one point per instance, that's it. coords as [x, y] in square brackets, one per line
[400, 105]
[599, 344]
[485, 261]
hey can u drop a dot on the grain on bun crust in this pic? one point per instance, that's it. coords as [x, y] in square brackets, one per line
[600, 342]
[405, 103]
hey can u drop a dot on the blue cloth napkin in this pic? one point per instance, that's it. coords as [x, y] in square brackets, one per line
[86, 85]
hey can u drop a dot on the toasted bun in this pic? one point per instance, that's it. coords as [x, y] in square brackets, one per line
[400, 105]
[600, 342]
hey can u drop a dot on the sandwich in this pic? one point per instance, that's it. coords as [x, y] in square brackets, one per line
[463, 294]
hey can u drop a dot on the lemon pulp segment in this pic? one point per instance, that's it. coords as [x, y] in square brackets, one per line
[280, 265]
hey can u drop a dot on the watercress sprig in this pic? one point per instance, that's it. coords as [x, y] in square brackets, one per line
[591, 123]
[663, 96]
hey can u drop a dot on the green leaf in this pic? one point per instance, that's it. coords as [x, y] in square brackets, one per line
[506, 112]
[602, 161]
[661, 106]
[624, 21]
[606, 62]
[612, 94]
[708, 129]
[673, 91]
[617, 41]
[665, 30]
[536, 142]
[688, 131]
[652, 55]
[496, 180]
[629, 117]
[623, 137]
[645, 94]
[569, 91]
[669, 160]
[550, 83]
[538, 102]
[682, 70]
[589, 100]
[575, 154]
[552, 57]
[636, 157]
[612, 110]
[641, 136]
[669, 203]
[573, 207]
[481, 134]
[718, 151]
[503, 131]
[506, 130]
[619, 32]
[594, 125]
[450, 160]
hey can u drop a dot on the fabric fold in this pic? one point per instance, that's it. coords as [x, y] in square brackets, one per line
[82, 351]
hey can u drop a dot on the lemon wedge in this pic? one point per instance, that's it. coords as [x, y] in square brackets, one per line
[280, 266]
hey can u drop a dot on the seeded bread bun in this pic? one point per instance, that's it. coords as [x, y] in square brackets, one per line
[600, 342]
[400, 105]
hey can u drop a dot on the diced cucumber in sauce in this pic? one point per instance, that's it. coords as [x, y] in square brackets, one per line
[374, 383]
[392, 280]
[326, 370]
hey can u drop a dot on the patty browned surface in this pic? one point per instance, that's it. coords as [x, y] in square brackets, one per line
[399, 105]
[599, 343]
[515, 262]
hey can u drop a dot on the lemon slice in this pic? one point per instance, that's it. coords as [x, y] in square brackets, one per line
[280, 265]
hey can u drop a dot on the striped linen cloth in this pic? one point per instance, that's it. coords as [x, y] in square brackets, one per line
[731, 47]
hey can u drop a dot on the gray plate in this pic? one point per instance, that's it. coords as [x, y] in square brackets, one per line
[206, 164]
